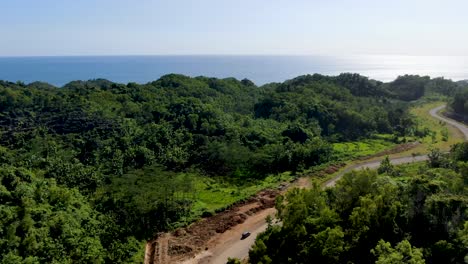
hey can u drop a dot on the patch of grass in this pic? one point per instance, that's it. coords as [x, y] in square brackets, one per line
[439, 128]
[215, 194]
[353, 150]
[409, 169]
[421, 114]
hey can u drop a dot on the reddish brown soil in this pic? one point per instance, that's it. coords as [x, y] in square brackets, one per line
[396, 149]
[186, 242]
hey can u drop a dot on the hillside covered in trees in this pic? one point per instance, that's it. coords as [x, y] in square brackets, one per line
[90, 170]
[459, 104]
[412, 214]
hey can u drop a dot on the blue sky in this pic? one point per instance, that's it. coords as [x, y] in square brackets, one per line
[134, 27]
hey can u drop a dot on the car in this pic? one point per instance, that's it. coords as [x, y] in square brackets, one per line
[245, 235]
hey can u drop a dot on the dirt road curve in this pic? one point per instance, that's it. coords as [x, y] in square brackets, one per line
[230, 244]
[459, 126]
[233, 246]
[374, 165]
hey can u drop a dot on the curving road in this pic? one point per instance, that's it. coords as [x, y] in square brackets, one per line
[374, 165]
[240, 248]
[459, 126]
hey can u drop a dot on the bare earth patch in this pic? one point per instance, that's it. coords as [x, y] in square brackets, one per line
[186, 243]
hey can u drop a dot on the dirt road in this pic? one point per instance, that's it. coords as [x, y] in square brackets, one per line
[233, 246]
[374, 165]
[240, 248]
[229, 243]
[459, 126]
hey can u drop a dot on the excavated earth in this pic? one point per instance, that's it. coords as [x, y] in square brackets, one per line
[185, 243]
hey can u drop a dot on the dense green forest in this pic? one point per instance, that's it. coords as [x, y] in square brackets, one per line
[459, 103]
[90, 170]
[410, 214]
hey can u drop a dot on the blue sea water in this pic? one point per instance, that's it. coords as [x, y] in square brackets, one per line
[260, 69]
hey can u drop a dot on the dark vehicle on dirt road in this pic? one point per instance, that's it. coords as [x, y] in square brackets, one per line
[245, 235]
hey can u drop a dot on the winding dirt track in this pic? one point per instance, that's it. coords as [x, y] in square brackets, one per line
[374, 165]
[459, 126]
[232, 246]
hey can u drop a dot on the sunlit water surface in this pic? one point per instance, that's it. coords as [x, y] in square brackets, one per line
[260, 69]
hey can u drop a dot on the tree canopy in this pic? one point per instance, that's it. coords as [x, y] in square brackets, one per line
[91, 169]
[417, 215]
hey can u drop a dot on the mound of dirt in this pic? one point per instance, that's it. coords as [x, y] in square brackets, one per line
[396, 149]
[186, 242]
[179, 249]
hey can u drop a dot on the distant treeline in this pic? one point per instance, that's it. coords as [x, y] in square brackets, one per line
[90, 169]
[459, 103]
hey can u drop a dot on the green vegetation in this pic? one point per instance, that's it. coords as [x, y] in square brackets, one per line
[435, 132]
[408, 214]
[92, 169]
[42, 222]
[414, 87]
[458, 105]
[213, 195]
[362, 148]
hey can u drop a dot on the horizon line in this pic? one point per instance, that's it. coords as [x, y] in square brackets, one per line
[226, 55]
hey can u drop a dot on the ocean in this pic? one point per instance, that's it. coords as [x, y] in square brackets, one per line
[260, 69]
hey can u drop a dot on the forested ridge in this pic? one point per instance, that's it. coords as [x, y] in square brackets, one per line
[459, 103]
[90, 170]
